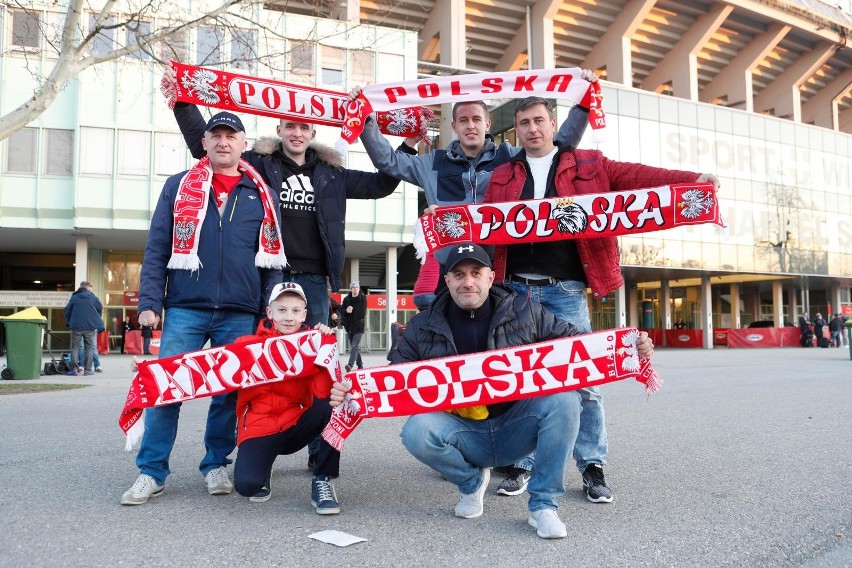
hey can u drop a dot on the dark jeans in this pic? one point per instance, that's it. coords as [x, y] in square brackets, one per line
[256, 455]
[355, 349]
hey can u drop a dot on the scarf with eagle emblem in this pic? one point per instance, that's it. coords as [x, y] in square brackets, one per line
[191, 207]
[608, 214]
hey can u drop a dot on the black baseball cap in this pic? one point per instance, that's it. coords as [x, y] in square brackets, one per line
[228, 119]
[467, 251]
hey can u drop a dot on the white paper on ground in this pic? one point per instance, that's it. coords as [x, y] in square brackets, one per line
[337, 538]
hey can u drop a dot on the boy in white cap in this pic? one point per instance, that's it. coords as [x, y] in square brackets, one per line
[283, 417]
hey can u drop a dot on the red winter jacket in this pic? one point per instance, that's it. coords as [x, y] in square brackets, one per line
[581, 172]
[269, 409]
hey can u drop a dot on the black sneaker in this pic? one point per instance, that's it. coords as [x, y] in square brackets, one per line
[312, 460]
[323, 495]
[265, 492]
[515, 482]
[595, 485]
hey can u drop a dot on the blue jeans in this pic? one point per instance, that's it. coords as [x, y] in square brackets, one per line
[355, 349]
[567, 300]
[96, 360]
[82, 340]
[457, 447]
[316, 291]
[186, 330]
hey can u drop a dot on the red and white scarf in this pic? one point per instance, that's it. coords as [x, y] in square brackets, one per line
[490, 377]
[190, 209]
[224, 369]
[563, 84]
[288, 101]
[586, 216]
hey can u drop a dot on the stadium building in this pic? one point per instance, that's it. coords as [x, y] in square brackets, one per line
[757, 91]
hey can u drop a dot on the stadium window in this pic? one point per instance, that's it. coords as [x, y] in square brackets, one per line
[58, 152]
[21, 151]
[135, 33]
[244, 49]
[104, 41]
[302, 61]
[333, 62]
[93, 157]
[170, 156]
[134, 153]
[361, 67]
[26, 29]
[174, 46]
[53, 33]
[207, 47]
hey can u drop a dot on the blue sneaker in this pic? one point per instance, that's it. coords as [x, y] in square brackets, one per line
[323, 495]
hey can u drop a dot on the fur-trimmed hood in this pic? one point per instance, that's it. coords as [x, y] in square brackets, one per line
[269, 144]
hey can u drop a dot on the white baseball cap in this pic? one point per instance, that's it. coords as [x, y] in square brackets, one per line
[287, 288]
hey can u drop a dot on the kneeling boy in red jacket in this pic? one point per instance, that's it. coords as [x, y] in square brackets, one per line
[283, 417]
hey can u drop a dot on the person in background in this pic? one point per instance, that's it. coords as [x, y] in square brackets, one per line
[835, 326]
[354, 308]
[83, 316]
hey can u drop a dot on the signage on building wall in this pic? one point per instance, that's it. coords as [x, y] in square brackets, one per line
[380, 301]
[131, 299]
[25, 299]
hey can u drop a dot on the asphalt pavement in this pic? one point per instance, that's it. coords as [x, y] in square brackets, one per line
[742, 459]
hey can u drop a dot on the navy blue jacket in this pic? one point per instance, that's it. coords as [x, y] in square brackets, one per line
[228, 278]
[332, 184]
[83, 311]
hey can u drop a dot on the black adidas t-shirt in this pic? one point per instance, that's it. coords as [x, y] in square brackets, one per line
[300, 230]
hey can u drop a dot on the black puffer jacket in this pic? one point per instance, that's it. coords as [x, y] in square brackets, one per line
[332, 184]
[517, 321]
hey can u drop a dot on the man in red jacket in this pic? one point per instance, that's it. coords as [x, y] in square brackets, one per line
[283, 417]
[557, 273]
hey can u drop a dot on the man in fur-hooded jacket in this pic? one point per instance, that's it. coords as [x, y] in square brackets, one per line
[313, 189]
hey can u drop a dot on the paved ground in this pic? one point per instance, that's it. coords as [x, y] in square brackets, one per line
[743, 459]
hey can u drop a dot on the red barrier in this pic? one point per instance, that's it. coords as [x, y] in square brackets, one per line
[656, 336]
[756, 337]
[791, 337]
[720, 336]
[684, 338]
[103, 342]
[133, 342]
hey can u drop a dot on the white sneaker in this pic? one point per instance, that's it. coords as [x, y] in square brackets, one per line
[547, 524]
[218, 482]
[144, 488]
[470, 506]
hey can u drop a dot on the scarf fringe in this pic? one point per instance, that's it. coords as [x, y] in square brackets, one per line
[134, 435]
[421, 249]
[334, 439]
[189, 261]
[268, 260]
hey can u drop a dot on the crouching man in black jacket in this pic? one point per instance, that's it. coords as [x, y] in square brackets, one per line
[471, 316]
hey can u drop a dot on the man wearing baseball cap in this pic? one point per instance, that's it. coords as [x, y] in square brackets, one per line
[474, 315]
[213, 254]
[283, 417]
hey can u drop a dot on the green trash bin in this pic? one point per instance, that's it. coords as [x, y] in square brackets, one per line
[24, 336]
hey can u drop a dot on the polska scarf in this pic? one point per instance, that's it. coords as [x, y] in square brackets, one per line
[564, 84]
[190, 209]
[490, 377]
[585, 216]
[287, 101]
[224, 369]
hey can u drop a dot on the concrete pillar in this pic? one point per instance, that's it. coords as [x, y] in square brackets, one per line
[707, 312]
[354, 271]
[665, 305]
[793, 299]
[621, 306]
[735, 306]
[390, 284]
[633, 307]
[81, 260]
[778, 304]
[834, 298]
